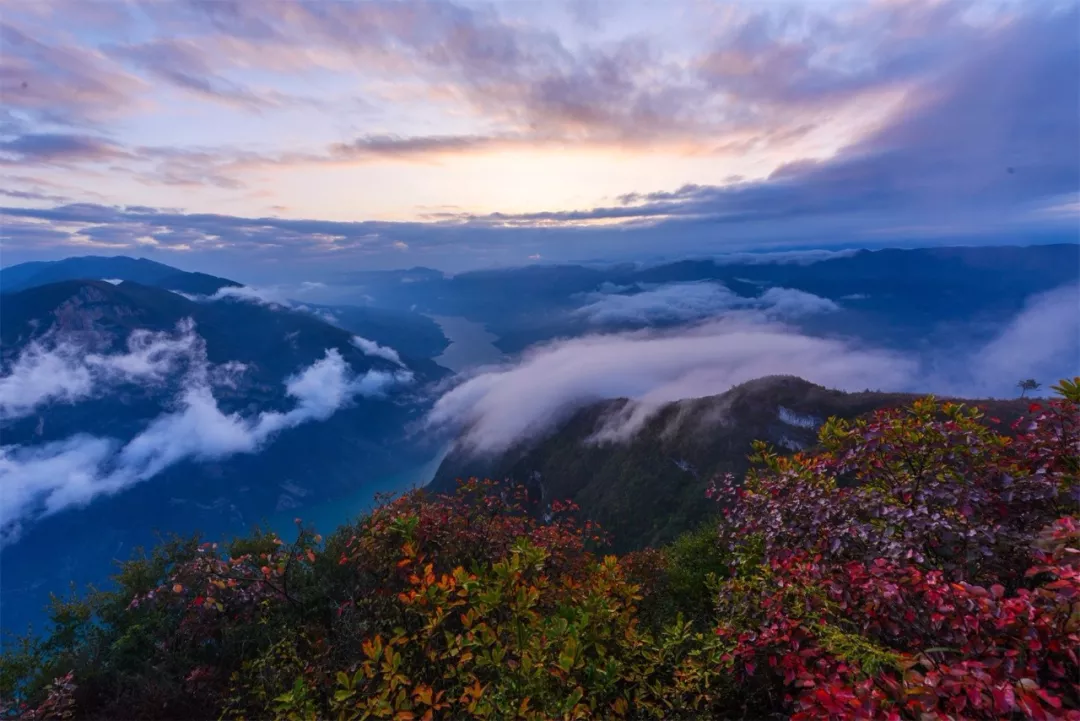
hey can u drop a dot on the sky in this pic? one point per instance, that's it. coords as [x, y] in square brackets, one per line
[265, 139]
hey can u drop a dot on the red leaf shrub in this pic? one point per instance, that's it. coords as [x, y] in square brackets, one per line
[901, 573]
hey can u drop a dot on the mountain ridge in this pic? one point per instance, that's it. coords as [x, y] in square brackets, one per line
[113, 267]
[357, 442]
[649, 489]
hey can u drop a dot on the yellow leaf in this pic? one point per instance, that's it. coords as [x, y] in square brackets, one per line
[404, 716]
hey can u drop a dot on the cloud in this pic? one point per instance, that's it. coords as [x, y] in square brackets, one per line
[973, 128]
[792, 303]
[681, 302]
[61, 82]
[183, 64]
[278, 297]
[371, 348]
[1041, 342]
[498, 408]
[39, 471]
[33, 195]
[45, 479]
[56, 147]
[394, 146]
[58, 370]
[270, 296]
[671, 302]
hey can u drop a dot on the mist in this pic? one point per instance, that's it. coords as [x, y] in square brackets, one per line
[498, 407]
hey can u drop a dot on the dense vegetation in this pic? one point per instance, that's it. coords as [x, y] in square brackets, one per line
[918, 564]
[674, 456]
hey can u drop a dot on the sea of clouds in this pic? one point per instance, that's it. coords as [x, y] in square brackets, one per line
[498, 407]
[39, 480]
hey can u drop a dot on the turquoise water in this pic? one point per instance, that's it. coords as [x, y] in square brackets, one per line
[328, 515]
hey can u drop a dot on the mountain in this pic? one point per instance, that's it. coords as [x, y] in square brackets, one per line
[130, 409]
[410, 333]
[647, 490]
[930, 298]
[94, 267]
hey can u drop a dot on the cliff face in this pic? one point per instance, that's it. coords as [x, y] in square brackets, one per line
[648, 489]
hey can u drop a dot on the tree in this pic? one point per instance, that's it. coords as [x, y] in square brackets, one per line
[1028, 385]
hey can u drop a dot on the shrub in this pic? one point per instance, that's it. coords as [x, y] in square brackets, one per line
[929, 484]
[919, 566]
[915, 568]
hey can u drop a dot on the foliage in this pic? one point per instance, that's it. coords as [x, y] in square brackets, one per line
[930, 484]
[902, 572]
[919, 565]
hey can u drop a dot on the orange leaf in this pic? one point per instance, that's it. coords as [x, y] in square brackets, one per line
[423, 694]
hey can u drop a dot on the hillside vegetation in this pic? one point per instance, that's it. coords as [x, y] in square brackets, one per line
[674, 456]
[918, 564]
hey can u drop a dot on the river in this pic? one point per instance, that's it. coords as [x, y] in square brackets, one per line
[326, 516]
[471, 344]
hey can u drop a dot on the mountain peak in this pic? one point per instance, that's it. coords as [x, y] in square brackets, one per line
[116, 267]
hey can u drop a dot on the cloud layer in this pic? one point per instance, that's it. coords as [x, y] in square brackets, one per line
[56, 370]
[47, 478]
[498, 133]
[1042, 341]
[500, 407]
[681, 302]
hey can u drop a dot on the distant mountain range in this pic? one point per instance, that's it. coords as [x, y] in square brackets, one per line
[648, 489]
[929, 297]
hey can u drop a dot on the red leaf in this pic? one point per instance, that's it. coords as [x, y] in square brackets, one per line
[1048, 698]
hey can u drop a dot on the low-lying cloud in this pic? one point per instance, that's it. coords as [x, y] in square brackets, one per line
[278, 297]
[371, 348]
[792, 303]
[58, 370]
[681, 302]
[1042, 342]
[262, 296]
[501, 407]
[44, 479]
[498, 408]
